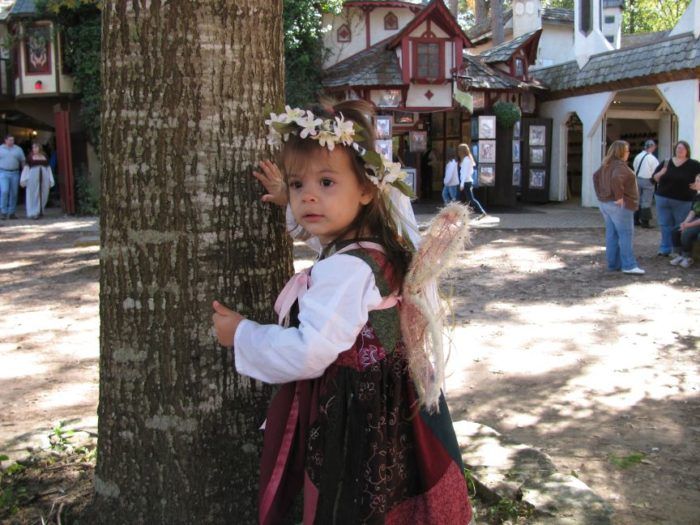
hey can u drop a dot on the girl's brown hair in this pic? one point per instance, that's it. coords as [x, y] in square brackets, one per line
[616, 151]
[374, 218]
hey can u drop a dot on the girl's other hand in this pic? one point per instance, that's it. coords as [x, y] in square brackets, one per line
[271, 178]
[226, 322]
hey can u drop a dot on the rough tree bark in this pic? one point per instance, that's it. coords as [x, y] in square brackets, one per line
[497, 21]
[481, 14]
[185, 85]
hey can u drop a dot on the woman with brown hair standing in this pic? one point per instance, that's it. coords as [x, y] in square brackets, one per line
[616, 188]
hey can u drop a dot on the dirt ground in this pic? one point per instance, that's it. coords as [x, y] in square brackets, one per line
[598, 369]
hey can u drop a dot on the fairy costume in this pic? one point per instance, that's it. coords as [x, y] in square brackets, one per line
[349, 431]
[359, 424]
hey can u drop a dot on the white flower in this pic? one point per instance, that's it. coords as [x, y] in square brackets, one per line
[293, 114]
[309, 125]
[327, 139]
[392, 172]
[344, 130]
[275, 118]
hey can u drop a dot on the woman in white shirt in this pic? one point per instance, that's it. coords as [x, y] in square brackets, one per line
[466, 182]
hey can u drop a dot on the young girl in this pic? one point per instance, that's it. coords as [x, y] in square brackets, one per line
[355, 424]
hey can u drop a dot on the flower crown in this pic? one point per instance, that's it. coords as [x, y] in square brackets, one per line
[331, 132]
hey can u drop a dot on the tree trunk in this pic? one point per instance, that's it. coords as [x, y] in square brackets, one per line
[185, 86]
[481, 12]
[497, 21]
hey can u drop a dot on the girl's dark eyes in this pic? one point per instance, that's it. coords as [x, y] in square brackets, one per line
[326, 182]
[295, 184]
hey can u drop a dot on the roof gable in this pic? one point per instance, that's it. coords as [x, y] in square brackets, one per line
[662, 61]
[438, 13]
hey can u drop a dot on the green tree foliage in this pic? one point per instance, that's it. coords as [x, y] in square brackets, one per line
[303, 48]
[79, 21]
[641, 16]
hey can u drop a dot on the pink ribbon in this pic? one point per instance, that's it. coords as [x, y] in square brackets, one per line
[294, 289]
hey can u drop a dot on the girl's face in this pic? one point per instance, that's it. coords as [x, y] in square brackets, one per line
[35, 148]
[681, 152]
[325, 195]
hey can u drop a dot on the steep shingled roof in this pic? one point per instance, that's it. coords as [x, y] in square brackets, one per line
[503, 52]
[375, 66]
[483, 76]
[678, 55]
[555, 15]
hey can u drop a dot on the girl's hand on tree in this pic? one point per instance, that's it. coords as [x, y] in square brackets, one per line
[226, 322]
[271, 178]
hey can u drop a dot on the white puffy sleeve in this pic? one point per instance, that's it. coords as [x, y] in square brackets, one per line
[331, 315]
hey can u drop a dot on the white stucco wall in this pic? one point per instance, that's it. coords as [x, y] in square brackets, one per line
[590, 110]
[683, 97]
[556, 45]
[377, 33]
[338, 51]
[592, 43]
[526, 16]
[442, 96]
[690, 21]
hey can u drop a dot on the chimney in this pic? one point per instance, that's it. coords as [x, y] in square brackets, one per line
[527, 16]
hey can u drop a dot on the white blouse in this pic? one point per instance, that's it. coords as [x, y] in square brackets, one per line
[332, 312]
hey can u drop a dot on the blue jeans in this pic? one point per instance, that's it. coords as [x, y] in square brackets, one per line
[683, 241]
[471, 200]
[450, 193]
[9, 186]
[619, 230]
[670, 213]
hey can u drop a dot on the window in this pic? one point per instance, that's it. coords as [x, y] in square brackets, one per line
[344, 34]
[609, 19]
[428, 61]
[586, 12]
[519, 68]
[391, 21]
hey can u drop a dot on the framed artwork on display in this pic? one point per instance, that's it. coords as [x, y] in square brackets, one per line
[404, 117]
[487, 127]
[516, 175]
[382, 127]
[437, 123]
[516, 151]
[37, 50]
[537, 179]
[537, 135]
[384, 148]
[516, 130]
[475, 151]
[536, 155]
[487, 151]
[487, 175]
[417, 141]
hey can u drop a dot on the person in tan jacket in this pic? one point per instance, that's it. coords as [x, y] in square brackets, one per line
[616, 188]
